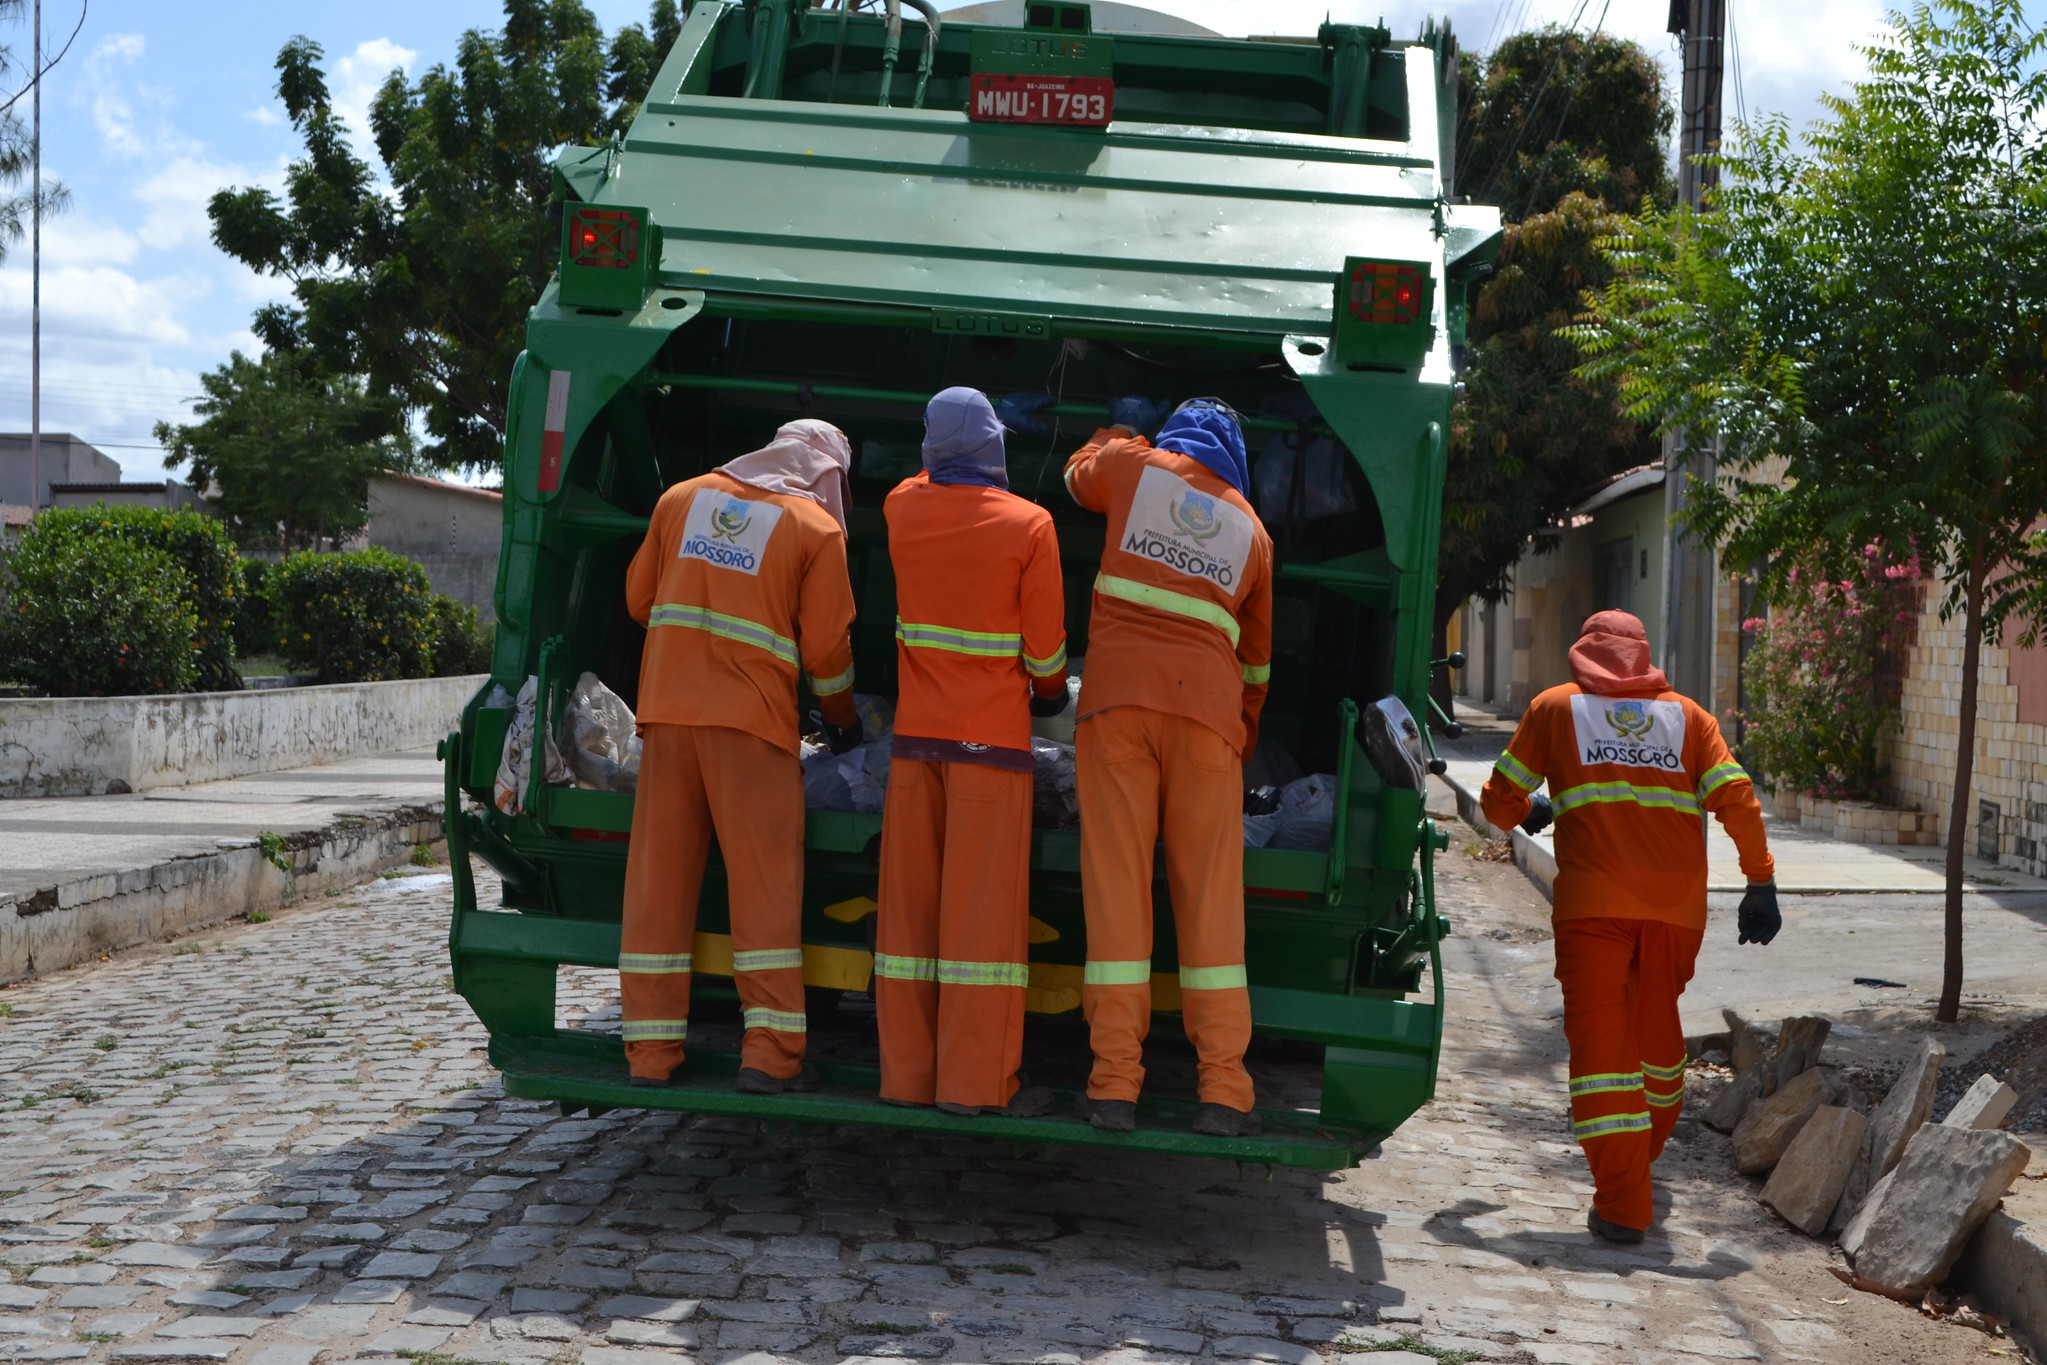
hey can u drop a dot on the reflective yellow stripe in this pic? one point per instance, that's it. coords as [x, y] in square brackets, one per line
[1517, 772]
[1257, 673]
[1664, 1073]
[1604, 793]
[1610, 1125]
[653, 962]
[724, 627]
[981, 644]
[1606, 1080]
[1663, 1099]
[1117, 974]
[905, 968]
[825, 687]
[766, 959]
[1719, 775]
[654, 1030]
[781, 1021]
[1016, 974]
[1165, 599]
[1045, 668]
[1212, 978]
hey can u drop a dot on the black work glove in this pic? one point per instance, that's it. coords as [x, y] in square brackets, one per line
[1261, 800]
[1540, 814]
[1042, 707]
[838, 741]
[1758, 917]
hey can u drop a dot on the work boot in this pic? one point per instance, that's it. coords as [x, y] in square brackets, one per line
[1612, 1232]
[1113, 1116]
[904, 1104]
[753, 1081]
[1029, 1102]
[655, 1081]
[1219, 1120]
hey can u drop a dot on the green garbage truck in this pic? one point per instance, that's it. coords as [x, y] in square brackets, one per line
[830, 213]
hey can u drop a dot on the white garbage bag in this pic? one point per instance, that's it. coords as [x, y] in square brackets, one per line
[515, 765]
[1307, 809]
[603, 751]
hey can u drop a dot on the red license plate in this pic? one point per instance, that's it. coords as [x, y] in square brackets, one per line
[1086, 101]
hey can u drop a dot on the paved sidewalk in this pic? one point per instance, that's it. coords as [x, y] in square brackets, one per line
[280, 1143]
[1806, 861]
[82, 874]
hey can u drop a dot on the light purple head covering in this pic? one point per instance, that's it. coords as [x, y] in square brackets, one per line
[963, 440]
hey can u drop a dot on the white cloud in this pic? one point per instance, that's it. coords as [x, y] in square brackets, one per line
[175, 198]
[355, 81]
[133, 119]
[263, 116]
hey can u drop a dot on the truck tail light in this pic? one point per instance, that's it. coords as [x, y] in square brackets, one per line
[608, 239]
[1386, 291]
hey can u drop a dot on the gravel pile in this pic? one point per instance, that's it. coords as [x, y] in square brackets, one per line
[2020, 1060]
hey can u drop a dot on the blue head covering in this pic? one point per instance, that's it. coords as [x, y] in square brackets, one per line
[1213, 437]
[963, 440]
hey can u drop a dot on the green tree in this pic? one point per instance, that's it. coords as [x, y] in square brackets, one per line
[1565, 133]
[1866, 325]
[287, 451]
[423, 290]
[17, 145]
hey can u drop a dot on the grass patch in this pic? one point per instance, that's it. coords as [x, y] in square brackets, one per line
[186, 950]
[97, 1336]
[257, 917]
[1444, 1355]
[423, 854]
[272, 845]
[6, 1010]
[106, 1042]
[885, 1325]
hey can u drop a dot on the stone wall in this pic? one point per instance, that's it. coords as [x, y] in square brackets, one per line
[87, 746]
[2011, 755]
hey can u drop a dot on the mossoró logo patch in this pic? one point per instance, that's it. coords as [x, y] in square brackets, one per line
[729, 532]
[1188, 531]
[1632, 733]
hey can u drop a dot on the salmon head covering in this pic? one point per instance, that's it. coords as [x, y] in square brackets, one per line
[807, 459]
[1612, 655]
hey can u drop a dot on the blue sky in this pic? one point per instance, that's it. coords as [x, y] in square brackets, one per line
[159, 105]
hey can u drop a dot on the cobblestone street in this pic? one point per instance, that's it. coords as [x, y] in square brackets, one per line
[278, 1143]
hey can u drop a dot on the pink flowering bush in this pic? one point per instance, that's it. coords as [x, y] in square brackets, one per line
[1823, 679]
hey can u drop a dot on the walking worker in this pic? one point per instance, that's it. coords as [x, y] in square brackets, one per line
[1632, 768]
[980, 649]
[741, 581]
[1179, 652]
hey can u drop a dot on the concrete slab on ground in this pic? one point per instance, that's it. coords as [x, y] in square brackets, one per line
[81, 875]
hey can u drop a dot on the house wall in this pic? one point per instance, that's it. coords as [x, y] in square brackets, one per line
[453, 531]
[2011, 753]
[66, 459]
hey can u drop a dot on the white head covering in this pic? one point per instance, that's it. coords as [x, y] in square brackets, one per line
[807, 458]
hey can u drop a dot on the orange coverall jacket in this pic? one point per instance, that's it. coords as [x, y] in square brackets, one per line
[981, 606]
[1631, 776]
[1182, 617]
[738, 589]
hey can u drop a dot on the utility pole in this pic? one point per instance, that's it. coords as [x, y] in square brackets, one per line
[35, 271]
[1690, 570]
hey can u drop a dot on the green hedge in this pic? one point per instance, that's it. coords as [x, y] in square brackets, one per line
[365, 616]
[256, 625]
[93, 615]
[200, 547]
[462, 642]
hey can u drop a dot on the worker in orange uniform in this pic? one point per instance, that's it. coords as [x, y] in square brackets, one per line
[1179, 652]
[741, 581]
[1632, 768]
[980, 648]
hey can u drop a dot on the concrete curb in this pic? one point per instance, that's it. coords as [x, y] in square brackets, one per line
[75, 921]
[1531, 857]
[2006, 1261]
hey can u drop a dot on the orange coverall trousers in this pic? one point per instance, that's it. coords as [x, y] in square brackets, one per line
[694, 779]
[951, 938]
[1621, 980]
[1141, 770]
